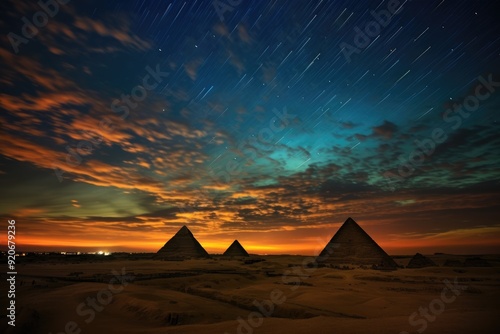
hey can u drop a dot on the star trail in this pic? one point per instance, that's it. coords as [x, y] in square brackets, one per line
[269, 121]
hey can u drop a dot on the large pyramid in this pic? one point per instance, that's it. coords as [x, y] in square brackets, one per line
[352, 245]
[420, 261]
[236, 249]
[182, 245]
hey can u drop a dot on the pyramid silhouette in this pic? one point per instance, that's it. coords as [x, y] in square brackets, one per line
[352, 245]
[420, 261]
[182, 245]
[453, 263]
[476, 262]
[236, 249]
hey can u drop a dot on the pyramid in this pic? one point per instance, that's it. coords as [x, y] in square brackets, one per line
[453, 263]
[182, 245]
[236, 249]
[476, 262]
[420, 261]
[352, 245]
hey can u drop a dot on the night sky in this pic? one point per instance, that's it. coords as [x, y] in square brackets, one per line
[270, 122]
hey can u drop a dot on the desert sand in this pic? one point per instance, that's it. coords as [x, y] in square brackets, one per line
[220, 295]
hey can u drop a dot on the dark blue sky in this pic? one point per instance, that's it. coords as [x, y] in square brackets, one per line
[127, 118]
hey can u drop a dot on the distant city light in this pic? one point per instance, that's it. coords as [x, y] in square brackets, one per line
[103, 253]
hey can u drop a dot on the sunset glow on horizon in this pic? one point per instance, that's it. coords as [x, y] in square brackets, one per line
[483, 240]
[114, 133]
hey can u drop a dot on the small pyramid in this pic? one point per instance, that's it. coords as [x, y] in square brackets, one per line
[352, 245]
[476, 262]
[236, 249]
[420, 261]
[182, 245]
[453, 263]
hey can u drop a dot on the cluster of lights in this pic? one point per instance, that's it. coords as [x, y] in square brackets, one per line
[80, 253]
[103, 253]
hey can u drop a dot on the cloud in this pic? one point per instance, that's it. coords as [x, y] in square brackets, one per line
[348, 125]
[243, 34]
[385, 131]
[191, 68]
[119, 32]
[69, 29]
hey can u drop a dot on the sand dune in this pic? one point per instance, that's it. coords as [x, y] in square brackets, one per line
[210, 295]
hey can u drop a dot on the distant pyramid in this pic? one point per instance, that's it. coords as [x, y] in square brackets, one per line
[420, 261]
[352, 245]
[453, 263]
[182, 245]
[236, 249]
[476, 262]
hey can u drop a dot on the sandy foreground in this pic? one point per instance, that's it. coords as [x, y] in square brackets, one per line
[282, 294]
